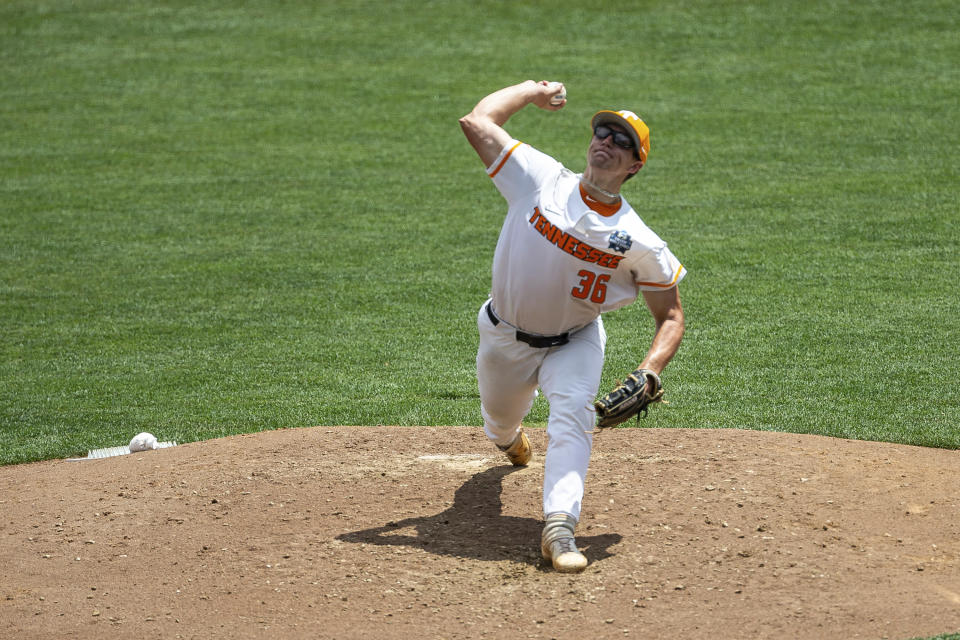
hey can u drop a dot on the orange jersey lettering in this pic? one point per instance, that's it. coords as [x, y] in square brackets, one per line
[569, 244]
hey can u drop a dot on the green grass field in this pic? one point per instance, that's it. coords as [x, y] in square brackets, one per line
[249, 216]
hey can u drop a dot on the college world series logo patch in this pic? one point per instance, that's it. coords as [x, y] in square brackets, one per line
[620, 241]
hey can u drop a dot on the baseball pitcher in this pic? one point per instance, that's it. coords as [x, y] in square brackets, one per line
[571, 247]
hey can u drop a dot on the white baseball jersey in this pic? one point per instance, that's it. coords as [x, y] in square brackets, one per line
[563, 258]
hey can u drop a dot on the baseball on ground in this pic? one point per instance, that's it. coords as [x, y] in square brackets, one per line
[143, 442]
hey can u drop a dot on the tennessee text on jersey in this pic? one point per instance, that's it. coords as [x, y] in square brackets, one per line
[570, 244]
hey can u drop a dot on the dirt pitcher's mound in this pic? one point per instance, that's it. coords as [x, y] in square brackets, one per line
[364, 532]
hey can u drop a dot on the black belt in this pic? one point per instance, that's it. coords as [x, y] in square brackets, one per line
[538, 342]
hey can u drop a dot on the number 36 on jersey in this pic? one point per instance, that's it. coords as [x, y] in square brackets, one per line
[591, 286]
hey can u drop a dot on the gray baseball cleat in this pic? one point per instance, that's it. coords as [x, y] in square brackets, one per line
[558, 545]
[518, 451]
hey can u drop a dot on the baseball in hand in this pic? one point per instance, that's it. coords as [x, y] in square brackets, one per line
[559, 97]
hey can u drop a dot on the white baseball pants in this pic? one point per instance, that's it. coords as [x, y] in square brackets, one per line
[508, 375]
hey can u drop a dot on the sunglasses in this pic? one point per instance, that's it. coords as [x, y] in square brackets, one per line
[622, 140]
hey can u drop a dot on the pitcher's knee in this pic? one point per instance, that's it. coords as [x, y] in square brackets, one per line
[577, 420]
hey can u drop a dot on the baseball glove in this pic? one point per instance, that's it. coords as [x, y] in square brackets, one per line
[629, 398]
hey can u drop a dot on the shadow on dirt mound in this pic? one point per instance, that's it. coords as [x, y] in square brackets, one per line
[475, 527]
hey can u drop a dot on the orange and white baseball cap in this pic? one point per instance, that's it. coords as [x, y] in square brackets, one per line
[636, 128]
